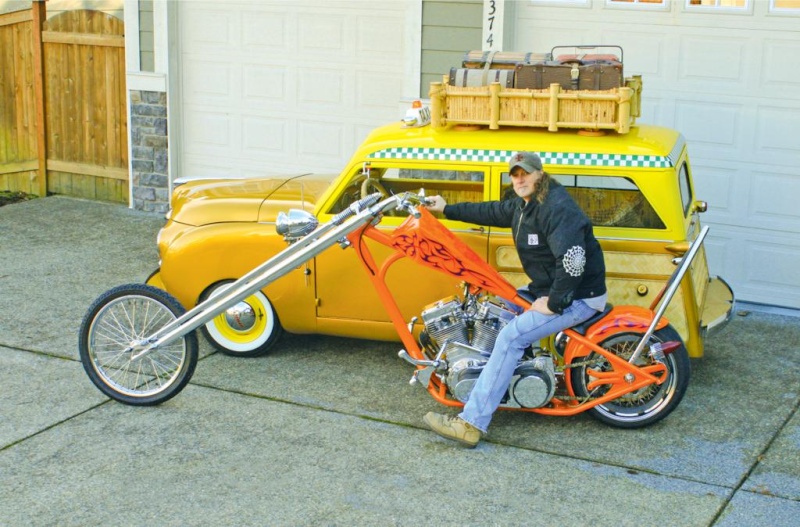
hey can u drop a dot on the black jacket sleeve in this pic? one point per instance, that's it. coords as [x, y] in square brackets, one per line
[489, 213]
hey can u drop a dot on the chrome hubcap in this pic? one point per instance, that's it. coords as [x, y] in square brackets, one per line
[241, 317]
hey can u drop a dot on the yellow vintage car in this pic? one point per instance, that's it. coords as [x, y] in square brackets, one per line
[636, 187]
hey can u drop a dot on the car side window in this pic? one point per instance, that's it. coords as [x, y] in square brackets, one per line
[454, 185]
[686, 189]
[608, 201]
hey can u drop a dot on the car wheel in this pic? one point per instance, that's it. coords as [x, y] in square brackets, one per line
[248, 329]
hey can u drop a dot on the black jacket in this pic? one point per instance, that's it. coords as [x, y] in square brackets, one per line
[554, 239]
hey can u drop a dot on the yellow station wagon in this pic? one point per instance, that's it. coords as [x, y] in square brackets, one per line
[636, 187]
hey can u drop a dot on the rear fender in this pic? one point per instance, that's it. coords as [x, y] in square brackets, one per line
[621, 319]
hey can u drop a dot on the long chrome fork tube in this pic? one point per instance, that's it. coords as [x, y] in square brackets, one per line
[279, 265]
[675, 282]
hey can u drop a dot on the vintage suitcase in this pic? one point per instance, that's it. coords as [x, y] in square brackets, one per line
[501, 59]
[597, 71]
[600, 75]
[468, 77]
[541, 76]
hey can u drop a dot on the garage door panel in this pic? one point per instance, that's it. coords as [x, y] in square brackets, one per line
[377, 36]
[780, 67]
[209, 82]
[320, 141]
[322, 89]
[320, 36]
[267, 30]
[209, 130]
[722, 59]
[264, 136]
[761, 265]
[266, 85]
[708, 123]
[774, 200]
[778, 130]
[210, 29]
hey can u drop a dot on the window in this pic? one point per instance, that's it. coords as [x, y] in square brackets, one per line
[637, 1]
[608, 201]
[718, 4]
[455, 185]
[686, 190]
[784, 6]
[652, 5]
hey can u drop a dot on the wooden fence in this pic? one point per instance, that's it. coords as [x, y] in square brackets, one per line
[63, 106]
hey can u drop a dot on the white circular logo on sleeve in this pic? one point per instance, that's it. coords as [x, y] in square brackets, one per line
[575, 261]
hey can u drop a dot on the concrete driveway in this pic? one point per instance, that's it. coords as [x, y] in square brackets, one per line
[327, 431]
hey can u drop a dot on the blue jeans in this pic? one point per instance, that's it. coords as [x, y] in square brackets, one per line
[521, 332]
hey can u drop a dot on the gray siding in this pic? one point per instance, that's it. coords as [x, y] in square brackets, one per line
[449, 28]
[147, 59]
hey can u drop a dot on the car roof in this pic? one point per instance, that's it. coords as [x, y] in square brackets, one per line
[644, 146]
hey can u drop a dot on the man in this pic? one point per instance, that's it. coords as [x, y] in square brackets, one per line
[561, 256]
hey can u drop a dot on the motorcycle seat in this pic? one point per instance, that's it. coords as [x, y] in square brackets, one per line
[584, 326]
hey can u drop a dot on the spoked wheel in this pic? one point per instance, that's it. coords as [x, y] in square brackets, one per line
[647, 405]
[118, 320]
[248, 329]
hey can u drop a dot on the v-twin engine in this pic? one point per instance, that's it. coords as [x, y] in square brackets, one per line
[463, 334]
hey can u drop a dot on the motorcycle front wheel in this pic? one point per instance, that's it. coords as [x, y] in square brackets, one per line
[647, 405]
[120, 318]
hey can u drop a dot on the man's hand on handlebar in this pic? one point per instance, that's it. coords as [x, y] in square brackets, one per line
[435, 203]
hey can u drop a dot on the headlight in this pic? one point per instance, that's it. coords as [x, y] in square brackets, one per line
[296, 224]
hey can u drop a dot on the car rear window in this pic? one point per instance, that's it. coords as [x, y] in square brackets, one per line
[608, 201]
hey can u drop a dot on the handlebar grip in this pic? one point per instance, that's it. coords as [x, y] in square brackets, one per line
[356, 207]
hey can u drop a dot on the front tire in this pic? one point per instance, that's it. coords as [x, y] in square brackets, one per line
[117, 320]
[249, 329]
[647, 405]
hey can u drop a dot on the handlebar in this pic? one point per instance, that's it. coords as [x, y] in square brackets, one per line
[356, 207]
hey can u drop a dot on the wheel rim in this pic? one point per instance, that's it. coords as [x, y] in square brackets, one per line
[245, 326]
[121, 323]
[642, 403]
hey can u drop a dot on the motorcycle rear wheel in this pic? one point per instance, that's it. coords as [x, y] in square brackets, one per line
[117, 319]
[647, 405]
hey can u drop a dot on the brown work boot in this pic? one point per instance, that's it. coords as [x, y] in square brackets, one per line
[453, 428]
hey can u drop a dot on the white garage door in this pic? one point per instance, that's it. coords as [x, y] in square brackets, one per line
[276, 87]
[729, 80]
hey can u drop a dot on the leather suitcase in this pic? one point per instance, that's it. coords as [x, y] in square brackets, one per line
[471, 77]
[541, 76]
[597, 71]
[601, 75]
[506, 60]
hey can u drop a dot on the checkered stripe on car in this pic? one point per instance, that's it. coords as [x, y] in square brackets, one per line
[498, 156]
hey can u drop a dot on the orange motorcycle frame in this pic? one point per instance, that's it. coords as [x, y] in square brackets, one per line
[427, 242]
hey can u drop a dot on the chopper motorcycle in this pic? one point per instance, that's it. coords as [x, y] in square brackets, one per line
[625, 366]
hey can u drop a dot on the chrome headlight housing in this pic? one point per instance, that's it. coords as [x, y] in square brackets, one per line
[295, 224]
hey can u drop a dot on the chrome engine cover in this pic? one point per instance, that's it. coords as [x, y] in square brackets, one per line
[464, 365]
[534, 383]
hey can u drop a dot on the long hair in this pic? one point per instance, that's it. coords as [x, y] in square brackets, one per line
[541, 187]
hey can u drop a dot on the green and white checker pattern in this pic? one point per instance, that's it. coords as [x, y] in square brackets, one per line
[501, 156]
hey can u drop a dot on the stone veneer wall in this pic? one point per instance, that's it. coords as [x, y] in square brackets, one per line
[149, 148]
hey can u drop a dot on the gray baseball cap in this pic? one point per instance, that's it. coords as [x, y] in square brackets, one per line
[528, 161]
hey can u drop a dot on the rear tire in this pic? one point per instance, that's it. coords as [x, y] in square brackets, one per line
[121, 317]
[646, 405]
